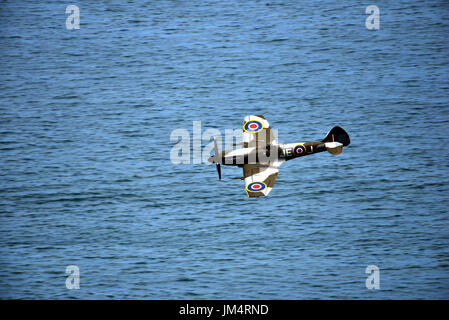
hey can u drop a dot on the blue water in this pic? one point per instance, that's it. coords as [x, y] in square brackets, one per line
[85, 171]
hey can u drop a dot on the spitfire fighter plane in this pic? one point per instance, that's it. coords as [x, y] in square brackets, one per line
[262, 155]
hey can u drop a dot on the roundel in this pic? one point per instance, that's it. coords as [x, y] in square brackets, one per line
[299, 149]
[256, 186]
[253, 126]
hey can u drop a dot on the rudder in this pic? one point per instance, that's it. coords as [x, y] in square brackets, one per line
[337, 134]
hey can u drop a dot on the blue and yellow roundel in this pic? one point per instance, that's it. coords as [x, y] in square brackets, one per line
[253, 126]
[299, 149]
[256, 186]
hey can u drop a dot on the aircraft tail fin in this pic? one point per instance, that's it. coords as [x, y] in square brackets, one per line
[337, 134]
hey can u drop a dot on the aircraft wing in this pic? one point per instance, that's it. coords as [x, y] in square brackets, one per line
[257, 132]
[260, 178]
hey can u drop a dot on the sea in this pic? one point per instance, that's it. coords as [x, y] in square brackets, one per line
[92, 205]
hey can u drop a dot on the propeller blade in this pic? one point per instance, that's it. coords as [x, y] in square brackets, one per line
[215, 149]
[219, 171]
[217, 159]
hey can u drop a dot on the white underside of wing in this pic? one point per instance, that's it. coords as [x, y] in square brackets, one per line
[249, 138]
[258, 134]
[240, 152]
[266, 173]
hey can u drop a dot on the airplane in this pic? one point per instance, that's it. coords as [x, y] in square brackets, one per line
[261, 155]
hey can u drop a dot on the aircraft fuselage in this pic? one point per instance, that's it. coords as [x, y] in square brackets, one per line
[281, 152]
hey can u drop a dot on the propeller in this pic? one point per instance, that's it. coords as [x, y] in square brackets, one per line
[216, 158]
